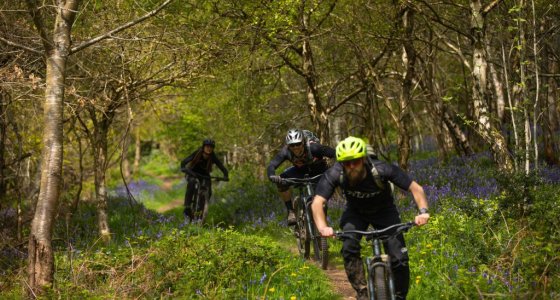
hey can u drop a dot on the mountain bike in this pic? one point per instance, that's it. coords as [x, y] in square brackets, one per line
[379, 276]
[199, 205]
[305, 230]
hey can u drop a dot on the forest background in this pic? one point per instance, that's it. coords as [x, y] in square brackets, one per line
[87, 88]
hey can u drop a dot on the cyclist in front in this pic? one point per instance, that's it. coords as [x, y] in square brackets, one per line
[307, 158]
[200, 162]
[364, 181]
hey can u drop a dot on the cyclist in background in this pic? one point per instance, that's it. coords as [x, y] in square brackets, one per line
[307, 157]
[364, 181]
[200, 162]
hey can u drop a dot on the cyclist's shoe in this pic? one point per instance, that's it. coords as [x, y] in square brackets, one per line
[291, 218]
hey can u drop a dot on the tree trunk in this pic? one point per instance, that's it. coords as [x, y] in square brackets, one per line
[319, 115]
[3, 129]
[481, 95]
[550, 118]
[500, 101]
[409, 60]
[41, 256]
[137, 153]
[100, 157]
[457, 134]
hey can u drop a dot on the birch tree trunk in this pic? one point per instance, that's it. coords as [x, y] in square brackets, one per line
[481, 95]
[319, 115]
[137, 153]
[500, 101]
[101, 160]
[57, 49]
[409, 60]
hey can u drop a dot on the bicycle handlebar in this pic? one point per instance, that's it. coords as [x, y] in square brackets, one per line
[296, 180]
[200, 176]
[401, 227]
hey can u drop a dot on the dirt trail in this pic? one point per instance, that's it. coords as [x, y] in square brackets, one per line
[340, 282]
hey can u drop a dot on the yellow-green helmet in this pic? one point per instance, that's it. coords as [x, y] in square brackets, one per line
[350, 148]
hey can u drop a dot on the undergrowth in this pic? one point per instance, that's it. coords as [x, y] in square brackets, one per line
[487, 238]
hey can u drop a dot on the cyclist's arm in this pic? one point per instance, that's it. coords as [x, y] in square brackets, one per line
[187, 160]
[421, 201]
[220, 165]
[324, 190]
[319, 216]
[276, 162]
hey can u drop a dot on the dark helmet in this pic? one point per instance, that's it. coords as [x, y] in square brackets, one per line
[294, 136]
[209, 142]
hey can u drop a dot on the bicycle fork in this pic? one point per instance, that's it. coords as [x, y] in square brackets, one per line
[383, 261]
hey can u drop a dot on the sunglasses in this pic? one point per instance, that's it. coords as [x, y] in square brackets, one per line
[295, 145]
[352, 163]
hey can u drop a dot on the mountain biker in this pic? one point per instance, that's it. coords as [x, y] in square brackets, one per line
[200, 163]
[307, 158]
[369, 202]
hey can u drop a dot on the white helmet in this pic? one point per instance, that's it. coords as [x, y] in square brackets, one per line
[294, 136]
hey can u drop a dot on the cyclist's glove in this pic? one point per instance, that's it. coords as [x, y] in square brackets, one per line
[277, 179]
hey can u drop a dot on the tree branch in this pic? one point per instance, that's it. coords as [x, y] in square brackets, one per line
[39, 24]
[119, 29]
[490, 6]
[346, 99]
[16, 45]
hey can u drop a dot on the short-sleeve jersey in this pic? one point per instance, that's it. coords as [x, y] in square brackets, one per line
[366, 196]
[318, 152]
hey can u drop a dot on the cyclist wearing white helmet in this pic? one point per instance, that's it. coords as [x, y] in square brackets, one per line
[307, 158]
[369, 201]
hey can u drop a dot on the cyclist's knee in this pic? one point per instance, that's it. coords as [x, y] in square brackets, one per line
[350, 249]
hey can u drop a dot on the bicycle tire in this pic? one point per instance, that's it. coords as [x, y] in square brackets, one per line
[198, 206]
[306, 238]
[380, 288]
[320, 248]
[324, 253]
[205, 203]
[299, 228]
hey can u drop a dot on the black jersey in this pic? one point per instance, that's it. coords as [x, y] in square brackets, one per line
[202, 166]
[367, 196]
[315, 154]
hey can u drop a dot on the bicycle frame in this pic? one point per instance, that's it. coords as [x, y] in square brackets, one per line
[305, 228]
[201, 195]
[378, 266]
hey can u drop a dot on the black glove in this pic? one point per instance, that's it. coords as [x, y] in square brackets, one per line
[277, 179]
[226, 178]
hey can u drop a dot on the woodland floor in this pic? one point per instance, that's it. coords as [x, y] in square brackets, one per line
[336, 274]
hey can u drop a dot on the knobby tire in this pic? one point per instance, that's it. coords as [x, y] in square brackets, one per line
[300, 230]
[324, 253]
[381, 290]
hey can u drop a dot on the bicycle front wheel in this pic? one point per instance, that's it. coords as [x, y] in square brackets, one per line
[321, 251]
[303, 243]
[379, 279]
